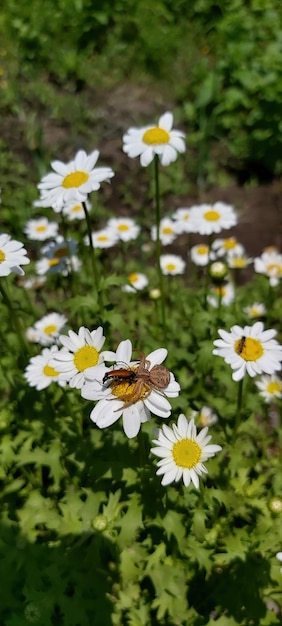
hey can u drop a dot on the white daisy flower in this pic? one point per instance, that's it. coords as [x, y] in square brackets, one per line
[172, 264]
[104, 238]
[31, 335]
[269, 264]
[183, 452]
[132, 391]
[238, 261]
[222, 247]
[12, 255]
[159, 140]
[137, 282]
[46, 330]
[79, 352]
[51, 266]
[257, 309]
[200, 254]
[75, 210]
[41, 229]
[183, 222]
[250, 350]
[64, 266]
[212, 218]
[73, 181]
[227, 293]
[39, 373]
[125, 228]
[207, 417]
[168, 231]
[270, 387]
[60, 248]
[59, 257]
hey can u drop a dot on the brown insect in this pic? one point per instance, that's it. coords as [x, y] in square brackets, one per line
[115, 377]
[158, 377]
[241, 345]
[140, 378]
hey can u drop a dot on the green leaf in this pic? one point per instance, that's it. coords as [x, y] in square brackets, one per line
[130, 522]
[236, 546]
[173, 525]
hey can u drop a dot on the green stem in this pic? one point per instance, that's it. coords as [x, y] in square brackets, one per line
[64, 226]
[95, 271]
[207, 277]
[158, 243]
[219, 305]
[238, 410]
[14, 318]
[143, 456]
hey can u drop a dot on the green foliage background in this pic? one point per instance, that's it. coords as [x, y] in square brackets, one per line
[221, 61]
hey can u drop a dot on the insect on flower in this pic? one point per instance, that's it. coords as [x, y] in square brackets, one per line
[136, 383]
[139, 389]
[157, 378]
[120, 376]
[241, 345]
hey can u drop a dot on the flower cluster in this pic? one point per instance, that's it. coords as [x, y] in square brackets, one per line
[129, 389]
[121, 386]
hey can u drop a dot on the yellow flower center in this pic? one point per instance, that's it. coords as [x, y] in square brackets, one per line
[274, 268]
[186, 453]
[167, 230]
[50, 371]
[248, 348]
[170, 267]
[84, 357]
[75, 179]
[127, 392]
[212, 216]
[220, 291]
[49, 330]
[203, 420]
[102, 238]
[53, 262]
[41, 228]
[156, 136]
[76, 208]
[202, 250]
[230, 243]
[123, 227]
[133, 277]
[2, 256]
[239, 262]
[274, 387]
